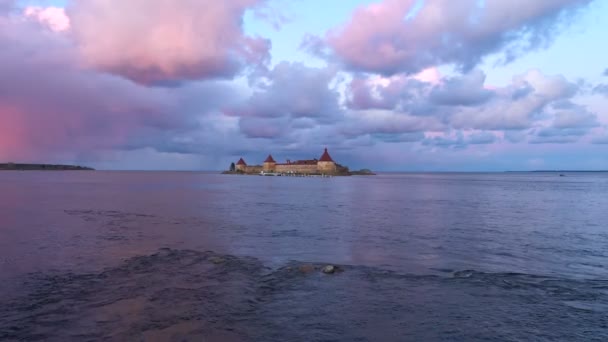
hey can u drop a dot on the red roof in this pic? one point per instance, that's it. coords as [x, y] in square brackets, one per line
[241, 162]
[269, 159]
[325, 157]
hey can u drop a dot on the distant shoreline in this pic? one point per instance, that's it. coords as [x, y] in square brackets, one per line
[558, 171]
[349, 173]
[42, 167]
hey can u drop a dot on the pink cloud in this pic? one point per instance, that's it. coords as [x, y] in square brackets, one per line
[54, 107]
[53, 17]
[54, 110]
[151, 41]
[429, 75]
[388, 38]
[51, 109]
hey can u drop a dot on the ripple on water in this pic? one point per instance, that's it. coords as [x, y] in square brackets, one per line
[185, 294]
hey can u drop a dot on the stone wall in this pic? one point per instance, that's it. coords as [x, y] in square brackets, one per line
[269, 167]
[320, 167]
[326, 167]
[253, 169]
[296, 168]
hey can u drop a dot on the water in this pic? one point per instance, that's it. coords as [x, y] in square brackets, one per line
[161, 256]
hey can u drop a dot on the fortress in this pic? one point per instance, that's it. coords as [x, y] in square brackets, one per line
[324, 165]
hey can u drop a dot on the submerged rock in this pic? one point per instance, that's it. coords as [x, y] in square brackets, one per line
[306, 268]
[329, 269]
[217, 260]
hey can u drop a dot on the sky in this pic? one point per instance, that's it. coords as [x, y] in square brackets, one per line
[391, 85]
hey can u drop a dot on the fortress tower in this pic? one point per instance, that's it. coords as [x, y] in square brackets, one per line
[326, 164]
[269, 164]
[241, 165]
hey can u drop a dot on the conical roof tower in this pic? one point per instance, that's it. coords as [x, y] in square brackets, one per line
[326, 157]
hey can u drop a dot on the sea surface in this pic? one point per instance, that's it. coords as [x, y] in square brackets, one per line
[187, 256]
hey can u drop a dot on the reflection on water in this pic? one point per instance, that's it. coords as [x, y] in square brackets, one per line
[122, 256]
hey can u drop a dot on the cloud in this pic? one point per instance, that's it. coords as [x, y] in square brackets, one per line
[66, 97]
[52, 17]
[605, 73]
[273, 16]
[552, 135]
[455, 141]
[556, 132]
[577, 117]
[158, 41]
[464, 102]
[268, 128]
[399, 138]
[379, 93]
[516, 106]
[559, 139]
[465, 90]
[386, 38]
[459, 139]
[515, 136]
[601, 140]
[293, 90]
[482, 138]
[407, 94]
[6, 6]
[601, 89]
[385, 122]
[53, 110]
[364, 95]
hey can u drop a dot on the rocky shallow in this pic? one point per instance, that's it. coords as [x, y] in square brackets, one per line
[186, 295]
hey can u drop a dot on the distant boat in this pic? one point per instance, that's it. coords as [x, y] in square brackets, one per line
[562, 175]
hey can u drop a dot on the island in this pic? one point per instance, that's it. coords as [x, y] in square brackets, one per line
[362, 172]
[42, 167]
[324, 166]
